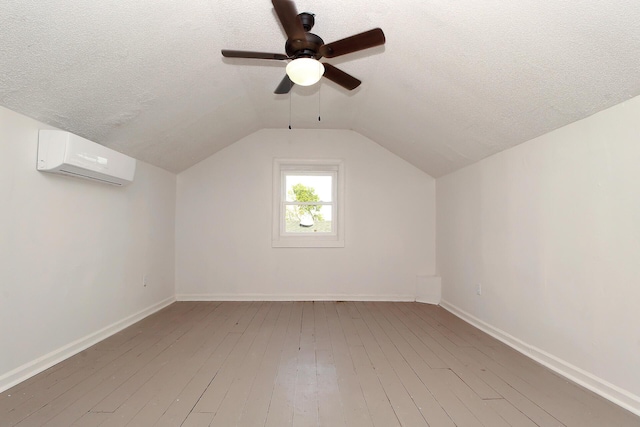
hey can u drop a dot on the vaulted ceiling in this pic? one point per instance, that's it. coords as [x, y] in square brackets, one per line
[456, 81]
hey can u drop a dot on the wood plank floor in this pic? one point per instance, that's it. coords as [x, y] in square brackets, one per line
[303, 364]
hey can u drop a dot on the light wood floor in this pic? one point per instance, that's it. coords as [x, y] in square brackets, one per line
[303, 364]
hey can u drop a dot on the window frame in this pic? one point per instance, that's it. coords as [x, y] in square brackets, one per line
[321, 167]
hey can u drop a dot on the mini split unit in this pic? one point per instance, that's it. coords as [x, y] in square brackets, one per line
[68, 154]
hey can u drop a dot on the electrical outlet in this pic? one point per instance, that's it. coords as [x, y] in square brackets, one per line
[479, 289]
[144, 280]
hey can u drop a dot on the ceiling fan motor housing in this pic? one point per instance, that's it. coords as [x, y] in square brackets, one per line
[309, 48]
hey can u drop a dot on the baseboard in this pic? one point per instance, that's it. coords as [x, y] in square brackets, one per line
[293, 297]
[38, 365]
[609, 391]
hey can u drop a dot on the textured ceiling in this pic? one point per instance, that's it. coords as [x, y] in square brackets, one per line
[456, 81]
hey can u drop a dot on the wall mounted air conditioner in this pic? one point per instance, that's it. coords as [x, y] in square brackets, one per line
[68, 154]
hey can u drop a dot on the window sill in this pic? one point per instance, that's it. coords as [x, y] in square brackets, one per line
[306, 243]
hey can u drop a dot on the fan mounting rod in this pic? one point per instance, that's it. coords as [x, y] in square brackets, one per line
[308, 20]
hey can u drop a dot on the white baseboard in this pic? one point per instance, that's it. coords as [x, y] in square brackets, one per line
[609, 391]
[38, 365]
[293, 297]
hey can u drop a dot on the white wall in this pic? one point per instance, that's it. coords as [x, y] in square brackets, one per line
[224, 213]
[551, 229]
[73, 252]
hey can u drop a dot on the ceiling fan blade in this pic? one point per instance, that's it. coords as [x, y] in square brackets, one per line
[355, 43]
[252, 55]
[288, 15]
[285, 86]
[338, 76]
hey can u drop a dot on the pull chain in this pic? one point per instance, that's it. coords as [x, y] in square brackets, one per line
[290, 89]
[319, 90]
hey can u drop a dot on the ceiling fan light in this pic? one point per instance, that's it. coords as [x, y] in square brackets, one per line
[305, 71]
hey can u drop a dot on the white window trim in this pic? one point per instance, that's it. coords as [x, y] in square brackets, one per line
[281, 239]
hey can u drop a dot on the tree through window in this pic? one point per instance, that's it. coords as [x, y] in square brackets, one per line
[305, 210]
[306, 205]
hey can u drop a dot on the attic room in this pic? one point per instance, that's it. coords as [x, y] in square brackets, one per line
[483, 265]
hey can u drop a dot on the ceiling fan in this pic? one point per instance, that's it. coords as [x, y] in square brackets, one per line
[304, 49]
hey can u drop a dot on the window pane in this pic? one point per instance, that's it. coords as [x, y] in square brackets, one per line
[308, 188]
[308, 219]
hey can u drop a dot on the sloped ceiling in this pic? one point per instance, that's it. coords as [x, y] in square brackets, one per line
[456, 82]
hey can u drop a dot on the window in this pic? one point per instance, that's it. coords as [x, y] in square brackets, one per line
[308, 203]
